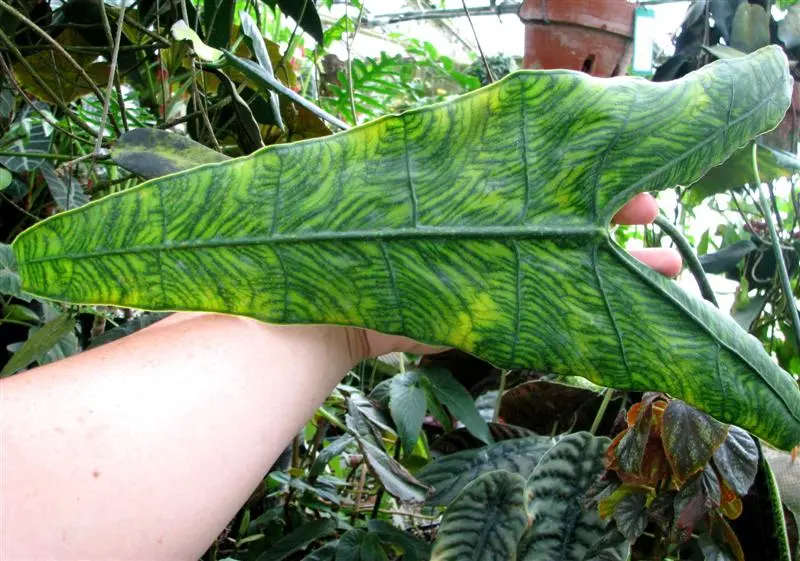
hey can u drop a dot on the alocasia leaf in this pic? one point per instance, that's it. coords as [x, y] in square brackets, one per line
[485, 521]
[480, 223]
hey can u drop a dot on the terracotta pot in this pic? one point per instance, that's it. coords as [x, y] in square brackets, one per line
[595, 36]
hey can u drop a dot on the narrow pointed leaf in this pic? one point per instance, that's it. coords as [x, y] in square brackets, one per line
[563, 529]
[450, 474]
[480, 223]
[456, 398]
[39, 344]
[485, 522]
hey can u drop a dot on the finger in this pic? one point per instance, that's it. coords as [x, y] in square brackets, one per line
[642, 209]
[664, 260]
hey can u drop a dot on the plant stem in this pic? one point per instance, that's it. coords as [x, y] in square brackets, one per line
[112, 72]
[602, 411]
[500, 391]
[478, 43]
[783, 274]
[39, 155]
[689, 257]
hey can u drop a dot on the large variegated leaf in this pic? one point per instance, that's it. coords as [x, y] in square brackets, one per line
[450, 474]
[480, 223]
[485, 522]
[562, 529]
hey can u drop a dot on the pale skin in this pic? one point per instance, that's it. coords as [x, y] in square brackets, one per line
[145, 448]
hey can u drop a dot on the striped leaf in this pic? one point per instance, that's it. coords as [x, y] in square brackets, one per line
[485, 522]
[480, 223]
[450, 474]
[563, 530]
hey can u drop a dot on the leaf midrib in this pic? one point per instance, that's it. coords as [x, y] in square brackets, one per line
[592, 233]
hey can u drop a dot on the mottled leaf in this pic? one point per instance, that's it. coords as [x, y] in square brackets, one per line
[153, 153]
[299, 539]
[407, 405]
[485, 521]
[695, 499]
[449, 475]
[39, 343]
[481, 223]
[690, 438]
[37, 141]
[736, 460]
[563, 529]
[67, 192]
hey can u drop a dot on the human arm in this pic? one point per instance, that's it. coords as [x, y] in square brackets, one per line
[146, 447]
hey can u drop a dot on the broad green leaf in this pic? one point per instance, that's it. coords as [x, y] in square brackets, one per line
[690, 438]
[630, 514]
[738, 171]
[407, 405]
[563, 529]
[736, 460]
[304, 12]
[153, 153]
[299, 539]
[480, 223]
[750, 27]
[39, 343]
[450, 474]
[456, 398]
[485, 521]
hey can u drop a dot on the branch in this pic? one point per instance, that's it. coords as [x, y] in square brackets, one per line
[783, 274]
[689, 257]
[386, 19]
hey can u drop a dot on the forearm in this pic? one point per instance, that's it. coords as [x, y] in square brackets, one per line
[146, 447]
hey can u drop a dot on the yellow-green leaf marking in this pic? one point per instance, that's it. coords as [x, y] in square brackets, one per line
[480, 223]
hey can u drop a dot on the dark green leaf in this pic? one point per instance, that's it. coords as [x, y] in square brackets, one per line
[371, 549]
[750, 28]
[218, 21]
[304, 12]
[690, 438]
[248, 130]
[325, 553]
[349, 548]
[397, 480]
[299, 539]
[488, 232]
[449, 475]
[458, 401]
[39, 343]
[153, 153]
[412, 547]
[563, 529]
[737, 460]
[10, 282]
[713, 551]
[727, 259]
[630, 514]
[329, 453]
[485, 521]
[407, 405]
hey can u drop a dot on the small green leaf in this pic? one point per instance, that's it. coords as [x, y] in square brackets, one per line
[450, 474]
[299, 539]
[690, 438]
[458, 401]
[153, 153]
[39, 343]
[563, 529]
[485, 521]
[182, 32]
[407, 406]
[5, 178]
[736, 460]
[329, 453]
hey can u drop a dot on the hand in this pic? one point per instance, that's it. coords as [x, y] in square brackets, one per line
[642, 209]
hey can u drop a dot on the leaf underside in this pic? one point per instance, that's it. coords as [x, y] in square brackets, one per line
[480, 223]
